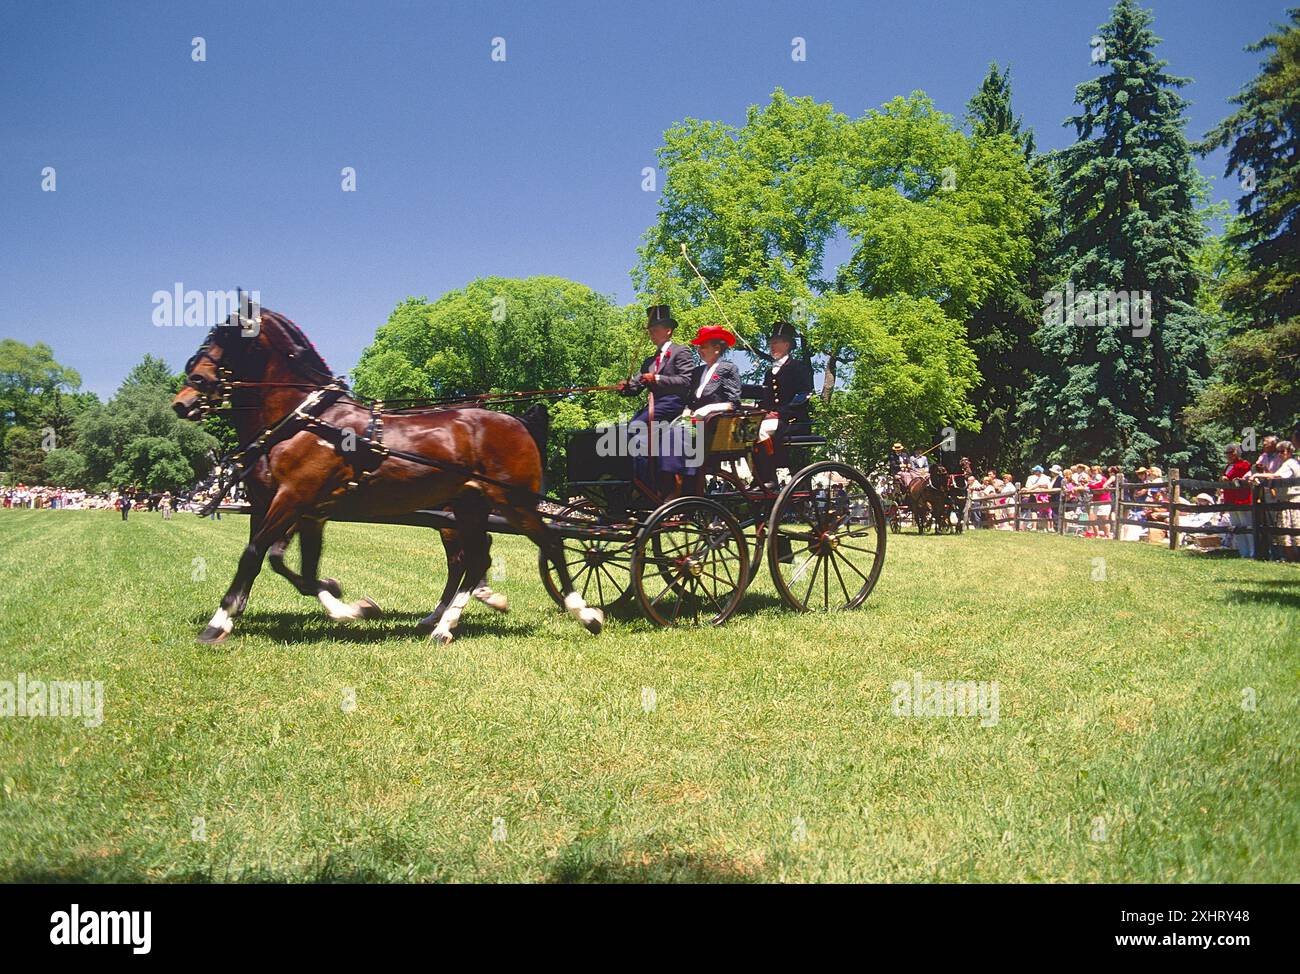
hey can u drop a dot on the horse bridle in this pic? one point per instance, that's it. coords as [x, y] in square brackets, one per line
[216, 394]
[212, 394]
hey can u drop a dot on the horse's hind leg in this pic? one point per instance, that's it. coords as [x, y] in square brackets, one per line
[530, 523]
[451, 545]
[483, 592]
[310, 542]
[471, 530]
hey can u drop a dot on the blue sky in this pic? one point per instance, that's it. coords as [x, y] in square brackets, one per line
[228, 172]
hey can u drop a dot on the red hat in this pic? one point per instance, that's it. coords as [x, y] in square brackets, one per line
[714, 333]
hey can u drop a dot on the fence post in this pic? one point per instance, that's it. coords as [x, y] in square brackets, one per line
[1256, 515]
[1117, 509]
[1175, 490]
[1060, 509]
[1015, 514]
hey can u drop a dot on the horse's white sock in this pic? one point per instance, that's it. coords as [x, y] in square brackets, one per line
[490, 598]
[451, 617]
[579, 609]
[336, 608]
[221, 620]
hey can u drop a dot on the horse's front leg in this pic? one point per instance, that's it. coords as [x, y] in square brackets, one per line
[264, 534]
[311, 533]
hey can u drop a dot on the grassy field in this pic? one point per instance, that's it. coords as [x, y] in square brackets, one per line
[1148, 721]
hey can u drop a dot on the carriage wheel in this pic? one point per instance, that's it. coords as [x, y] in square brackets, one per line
[599, 560]
[825, 547]
[690, 564]
[739, 498]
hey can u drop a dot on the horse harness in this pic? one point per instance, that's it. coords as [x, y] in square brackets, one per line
[365, 453]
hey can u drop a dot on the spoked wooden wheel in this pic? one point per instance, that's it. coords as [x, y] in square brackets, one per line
[826, 539]
[691, 563]
[745, 505]
[599, 560]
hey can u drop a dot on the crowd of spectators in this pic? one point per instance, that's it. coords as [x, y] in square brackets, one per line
[1082, 496]
[125, 500]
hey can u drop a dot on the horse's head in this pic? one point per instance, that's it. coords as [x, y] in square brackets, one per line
[243, 353]
[234, 350]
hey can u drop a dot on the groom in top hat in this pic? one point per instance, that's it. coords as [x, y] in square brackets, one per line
[784, 394]
[666, 376]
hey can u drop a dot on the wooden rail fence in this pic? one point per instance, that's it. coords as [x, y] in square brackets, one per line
[1077, 510]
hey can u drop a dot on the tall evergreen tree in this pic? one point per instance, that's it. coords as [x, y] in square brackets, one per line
[1127, 198]
[988, 113]
[1000, 330]
[1257, 381]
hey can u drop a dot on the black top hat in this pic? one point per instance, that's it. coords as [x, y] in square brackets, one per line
[658, 314]
[783, 329]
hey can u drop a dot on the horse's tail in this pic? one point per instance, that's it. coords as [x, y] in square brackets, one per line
[538, 423]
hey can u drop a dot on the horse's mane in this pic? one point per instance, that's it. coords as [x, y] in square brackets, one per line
[304, 351]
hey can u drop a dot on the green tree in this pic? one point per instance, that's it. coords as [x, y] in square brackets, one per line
[1001, 328]
[136, 439]
[767, 208]
[909, 372]
[31, 384]
[507, 335]
[1128, 196]
[1257, 376]
[26, 452]
[757, 207]
[989, 113]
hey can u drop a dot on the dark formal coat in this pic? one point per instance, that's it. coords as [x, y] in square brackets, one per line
[785, 392]
[672, 387]
[724, 385]
[672, 376]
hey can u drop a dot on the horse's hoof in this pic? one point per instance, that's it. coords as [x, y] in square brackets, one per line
[426, 626]
[213, 635]
[332, 586]
[595, 622]
[368, 608]
[442, 638]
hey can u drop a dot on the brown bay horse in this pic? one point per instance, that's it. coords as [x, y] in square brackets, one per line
[927, 502]
[314, 453]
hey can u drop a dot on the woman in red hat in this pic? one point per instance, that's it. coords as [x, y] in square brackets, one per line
[715, 383]
[715, 387]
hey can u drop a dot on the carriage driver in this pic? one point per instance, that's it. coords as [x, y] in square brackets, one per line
[784, 394]
[900, 459]
[666, 375]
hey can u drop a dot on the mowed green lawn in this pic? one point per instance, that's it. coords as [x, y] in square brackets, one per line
[1126, 747]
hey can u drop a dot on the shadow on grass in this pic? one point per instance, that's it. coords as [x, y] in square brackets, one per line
[596, 862]
[1276, 592]
[307, 627]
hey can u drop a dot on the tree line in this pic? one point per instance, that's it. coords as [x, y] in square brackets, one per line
[944, 274]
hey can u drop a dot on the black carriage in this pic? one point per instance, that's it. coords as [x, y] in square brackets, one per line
[690, 558]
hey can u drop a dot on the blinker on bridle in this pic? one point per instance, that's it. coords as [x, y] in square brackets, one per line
[245, 322]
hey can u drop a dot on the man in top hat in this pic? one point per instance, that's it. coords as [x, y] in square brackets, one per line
[666, 377]
[784, 394]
